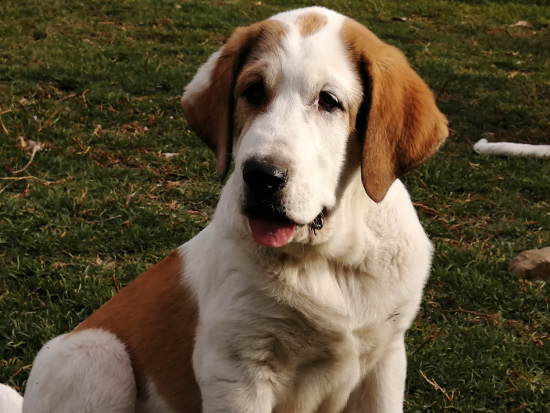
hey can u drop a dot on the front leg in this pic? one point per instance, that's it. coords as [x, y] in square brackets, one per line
[230, 383]
[382, 390]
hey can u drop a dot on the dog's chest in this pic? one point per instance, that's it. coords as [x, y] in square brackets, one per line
[337, 330]
[337, 298]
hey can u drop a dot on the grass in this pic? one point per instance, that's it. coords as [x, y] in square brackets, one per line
[99, 82]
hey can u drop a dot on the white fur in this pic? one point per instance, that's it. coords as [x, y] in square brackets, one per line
[315, 326]
[10, 400]
[88, 371]
[511, 149]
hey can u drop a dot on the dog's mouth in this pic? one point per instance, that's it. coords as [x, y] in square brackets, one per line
[274, 229]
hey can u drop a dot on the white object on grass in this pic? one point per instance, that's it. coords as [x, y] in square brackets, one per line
[484, 147]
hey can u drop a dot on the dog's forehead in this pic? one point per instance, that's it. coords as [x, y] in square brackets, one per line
[311, 20]
[312, 51]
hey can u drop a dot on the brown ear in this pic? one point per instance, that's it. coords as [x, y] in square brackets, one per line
[398, 118]
[208, 101]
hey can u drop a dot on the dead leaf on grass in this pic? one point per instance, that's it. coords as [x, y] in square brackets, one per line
[522, 23]
[399, 19]
[28, 146]
[98, 131]
[171, 184]
[106, 264]
[134, 128]
[172, 205]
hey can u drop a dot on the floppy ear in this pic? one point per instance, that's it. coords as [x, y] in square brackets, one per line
[208, 101]
[398, 120]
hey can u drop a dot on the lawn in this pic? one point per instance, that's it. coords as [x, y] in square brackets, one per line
[98, 83]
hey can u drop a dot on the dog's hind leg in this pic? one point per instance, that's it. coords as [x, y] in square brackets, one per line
[87, 371]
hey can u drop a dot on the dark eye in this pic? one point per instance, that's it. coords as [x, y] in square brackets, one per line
[254, 93]
[329, 102]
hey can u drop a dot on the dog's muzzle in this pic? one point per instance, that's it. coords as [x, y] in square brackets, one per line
[263, 204]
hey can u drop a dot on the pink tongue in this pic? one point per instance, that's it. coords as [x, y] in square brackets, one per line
[271, 233]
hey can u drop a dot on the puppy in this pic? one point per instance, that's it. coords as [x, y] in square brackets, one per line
[297, 296]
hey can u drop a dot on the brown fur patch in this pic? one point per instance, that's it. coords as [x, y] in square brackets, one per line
[210, 111]
[155, 316]
[398, 120]
[310, 23]
[244, 112]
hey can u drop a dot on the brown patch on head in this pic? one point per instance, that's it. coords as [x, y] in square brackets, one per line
[310, 23]
[398, 120]
[210, 110]
[156, 317]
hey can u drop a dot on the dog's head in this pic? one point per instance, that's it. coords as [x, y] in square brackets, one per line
[301, 101]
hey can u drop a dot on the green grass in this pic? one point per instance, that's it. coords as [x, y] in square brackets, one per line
[107, 203]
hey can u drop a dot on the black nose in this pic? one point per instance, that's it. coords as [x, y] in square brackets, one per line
[263, 178]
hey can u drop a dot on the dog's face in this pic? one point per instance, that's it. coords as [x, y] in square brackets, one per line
[302, 100]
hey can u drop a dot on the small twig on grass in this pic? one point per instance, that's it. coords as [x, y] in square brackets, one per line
[66, 252]
[84, 98]
[102, 220]
[426, 209]
[21, 369]
[437, 387]
[423, 183]
[82, 148]
[21, 178]
[2, 122]
[425, 342]
[117, 288]
[71, 95]
[460, 310]
[520, 407]
[48, 122]
[34, 150]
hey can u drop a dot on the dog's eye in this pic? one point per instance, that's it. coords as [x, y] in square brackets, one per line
[329, 102]
[254, 93]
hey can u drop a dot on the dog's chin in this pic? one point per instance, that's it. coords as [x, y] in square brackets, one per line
[274, 228]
